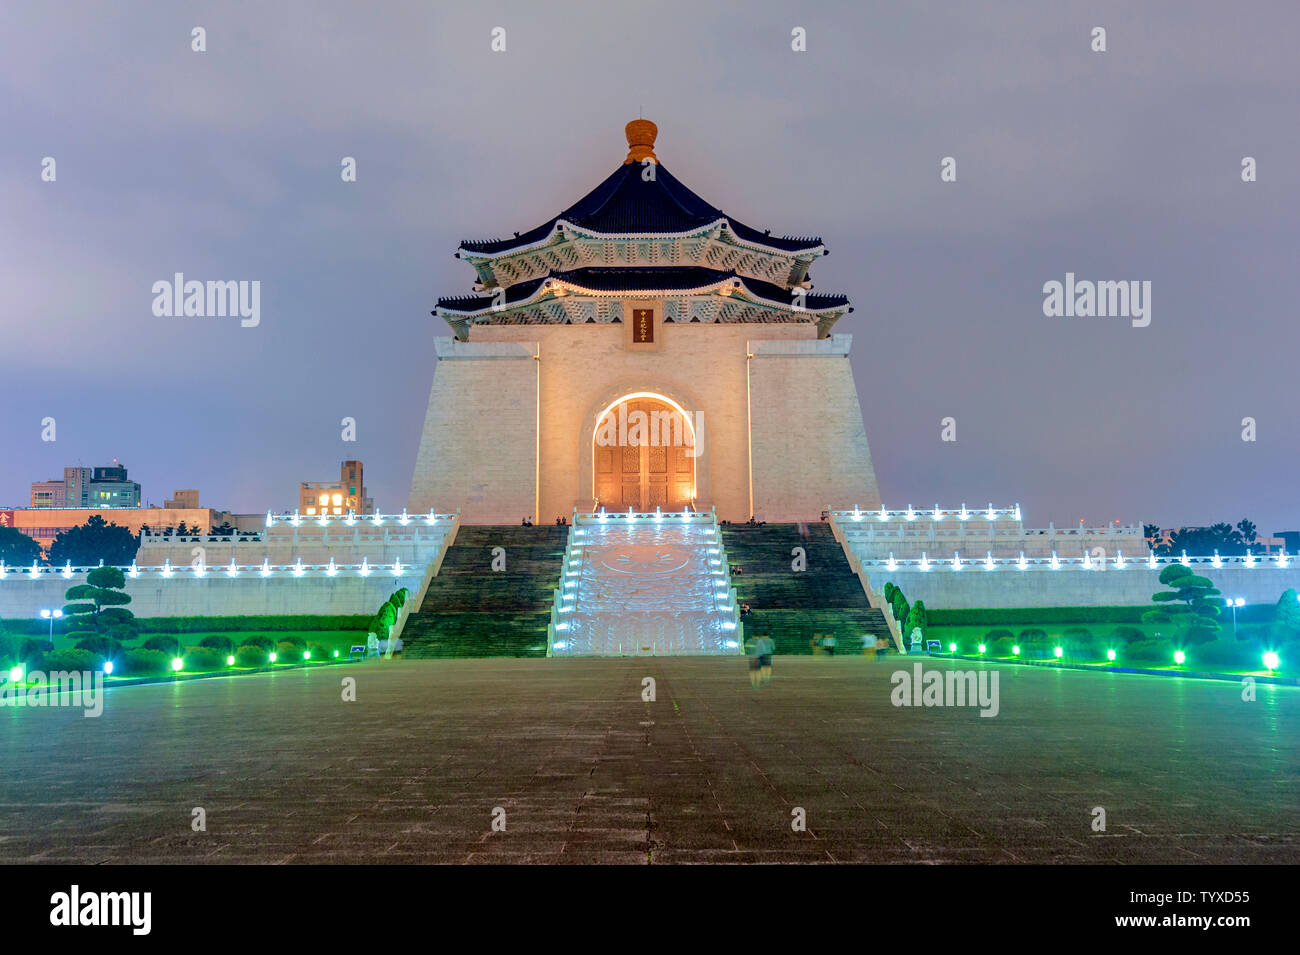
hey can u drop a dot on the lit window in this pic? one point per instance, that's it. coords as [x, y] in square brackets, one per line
[311, 510]
[324, 498]
[338, 499]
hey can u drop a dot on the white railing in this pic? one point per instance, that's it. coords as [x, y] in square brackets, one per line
[352, 519]
[633, 516]
[169, 571]
[1085, 561]
[884, 515]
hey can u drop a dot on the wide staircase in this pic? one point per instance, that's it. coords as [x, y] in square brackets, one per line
[470, 610]
[792, 606]
[645, 586]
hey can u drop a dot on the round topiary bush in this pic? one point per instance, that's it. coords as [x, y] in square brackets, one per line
[1122, 636]
[162, 642]
[219, 642]
[319, 651]
[1228, 654]
[105, 647]
[999, 634]
[1150, 651]
[287, 652]
[256, 640]
[250, 655]
[294, 639]
[204, 658]
[1032, 636]
[145, 662]
[1001, 646]
[32, 652]
[71, 660]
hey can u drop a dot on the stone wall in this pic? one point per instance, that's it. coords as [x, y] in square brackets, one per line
[478, 449]
[476, 452]
[809, 442]
[1040, 586]
[215, 594]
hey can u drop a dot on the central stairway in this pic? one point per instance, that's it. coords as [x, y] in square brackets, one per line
[791, 606]
[470, 610]
[645, 585]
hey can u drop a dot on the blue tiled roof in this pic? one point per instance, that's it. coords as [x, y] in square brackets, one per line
[667, 278]
[627, 204]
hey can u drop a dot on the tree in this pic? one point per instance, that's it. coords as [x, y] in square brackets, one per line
[1247, 531]
[1286, 618]
[1152, 533]
[916, 617]
[381, 624]
[93, 541]
[1197, 619]
[17, 549]
[100, 607]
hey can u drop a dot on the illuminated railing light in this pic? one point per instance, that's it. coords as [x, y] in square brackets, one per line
[925, 561]
[350, 519]
[331, 570]
[884, 514]
[1283, 560]
[1216, 561]
[397, 567]
[857, 514]
[67, 570]
[965, 515]
[1022, 564]
[364, 570]
[297, 568]
[270, 519]
[1119, 560]
[911, 514]
[295, 520]
[1184, 561]
[956, 561]
[1055, 562]
[1151, 560]
[404, 519]
[266, 567]
[891, 563]
[167, 567]
[1250, 558]
[988, 562]
[232, 570]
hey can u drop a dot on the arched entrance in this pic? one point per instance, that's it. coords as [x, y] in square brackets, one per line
[644, 455]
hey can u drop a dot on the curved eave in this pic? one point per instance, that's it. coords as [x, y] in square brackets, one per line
[553, 288]
[814, 248]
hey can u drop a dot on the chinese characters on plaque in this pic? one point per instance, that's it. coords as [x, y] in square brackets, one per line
[643, 326]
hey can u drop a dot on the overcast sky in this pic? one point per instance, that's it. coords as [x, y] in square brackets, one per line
[225, 165]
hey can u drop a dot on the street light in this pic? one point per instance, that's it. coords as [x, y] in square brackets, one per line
[1234, 604]
[51, 616]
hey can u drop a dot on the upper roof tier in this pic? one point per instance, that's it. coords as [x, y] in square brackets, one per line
[642, 215]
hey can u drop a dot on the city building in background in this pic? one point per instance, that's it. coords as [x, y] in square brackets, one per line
[182, 499]
[346, 494]
[107, 486]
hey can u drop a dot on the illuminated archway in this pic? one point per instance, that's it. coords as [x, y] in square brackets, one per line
[638, 468]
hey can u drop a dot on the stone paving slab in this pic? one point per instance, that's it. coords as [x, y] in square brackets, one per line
[587, 772]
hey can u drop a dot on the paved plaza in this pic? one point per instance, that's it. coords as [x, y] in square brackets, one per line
[711, 771]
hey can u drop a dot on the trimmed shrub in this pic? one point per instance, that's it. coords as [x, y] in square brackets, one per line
[320, 651]
[1000, 646]
[215, 641]
[251, 656]
[1011, 616]
[144, 662]
[10, 647]
[296, 640]
[288, 652]
[994, 635]
[253, 622]
[164, 643]
[1150, 651]
[257, 640]
[1031, 636]
[1122, 636]
[71, 660]
[32, 652]
[204, 658]
[1228, 654]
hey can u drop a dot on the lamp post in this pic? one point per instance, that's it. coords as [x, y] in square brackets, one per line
[51, 616]
[1235, 603]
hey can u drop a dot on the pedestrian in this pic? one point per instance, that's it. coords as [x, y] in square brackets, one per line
[767, 647]
[755, 662]
[828, 644]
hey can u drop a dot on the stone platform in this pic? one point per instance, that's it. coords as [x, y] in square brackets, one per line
[587, 772]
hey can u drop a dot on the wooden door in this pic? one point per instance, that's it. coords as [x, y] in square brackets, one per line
[658, 472]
